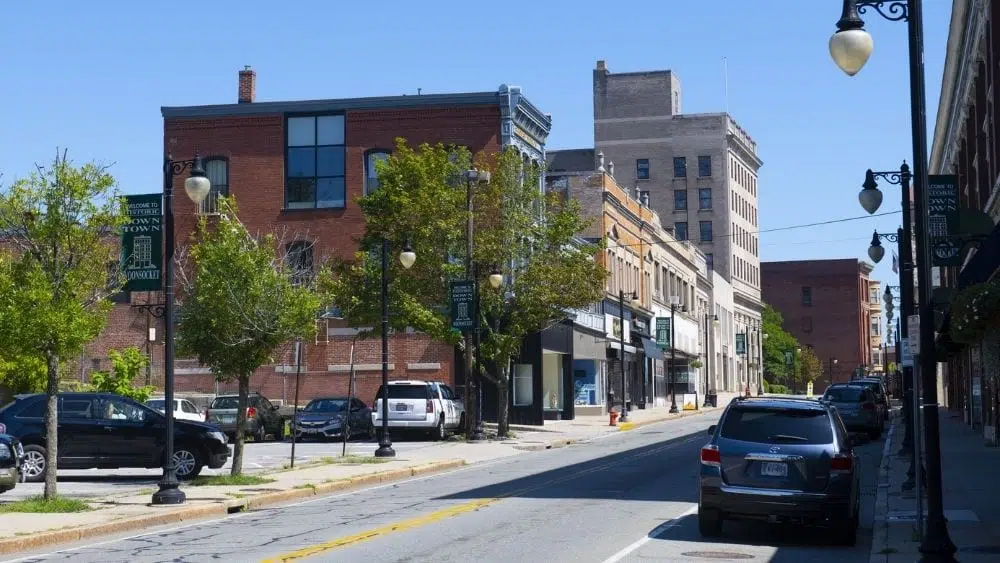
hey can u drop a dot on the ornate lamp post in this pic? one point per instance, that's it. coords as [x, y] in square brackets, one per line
[675, 302]
[495, 279]
[850, 48]
[197, 187]
[621, 342]
[715, 323]
[407, 258]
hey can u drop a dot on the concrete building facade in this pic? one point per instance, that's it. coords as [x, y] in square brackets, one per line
[699, 171]
[826, 305]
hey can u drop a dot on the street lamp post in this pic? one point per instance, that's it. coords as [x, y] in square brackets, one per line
[407, 258]
[675, 302]
[708, 352]
[850, 48]
[621, 342]
[495, 279]
[760, 360]
[472, 177]
[833, 362]
[197, 187]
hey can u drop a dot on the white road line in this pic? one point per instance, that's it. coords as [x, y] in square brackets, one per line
[659, 530]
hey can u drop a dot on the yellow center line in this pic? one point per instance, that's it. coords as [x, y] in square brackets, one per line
[438, 515]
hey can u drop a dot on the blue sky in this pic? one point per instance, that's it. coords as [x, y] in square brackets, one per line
[91, 76]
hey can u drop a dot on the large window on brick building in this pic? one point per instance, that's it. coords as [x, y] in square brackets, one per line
[217, 170]
[372, 157]
[314, 162]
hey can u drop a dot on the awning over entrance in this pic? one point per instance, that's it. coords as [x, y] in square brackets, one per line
[651, 349]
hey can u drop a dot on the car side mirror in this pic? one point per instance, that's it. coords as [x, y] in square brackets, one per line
[711, 430]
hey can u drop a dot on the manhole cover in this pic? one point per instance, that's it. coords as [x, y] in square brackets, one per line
[717, 555]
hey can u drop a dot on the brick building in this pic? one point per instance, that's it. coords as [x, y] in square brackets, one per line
[297, 167]
[826, 306]
[966, 143]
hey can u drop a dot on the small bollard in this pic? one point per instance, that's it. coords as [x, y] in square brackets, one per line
[614, 418]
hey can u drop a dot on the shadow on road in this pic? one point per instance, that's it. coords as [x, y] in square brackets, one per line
[624, 475]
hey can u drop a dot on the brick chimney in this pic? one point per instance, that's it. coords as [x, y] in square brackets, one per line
[248, 86]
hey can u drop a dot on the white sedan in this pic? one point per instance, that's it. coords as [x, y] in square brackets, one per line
[183, 409]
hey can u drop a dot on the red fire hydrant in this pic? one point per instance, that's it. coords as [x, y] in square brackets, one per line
[614, 418]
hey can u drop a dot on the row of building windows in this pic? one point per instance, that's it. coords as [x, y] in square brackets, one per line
[746, 271]
[743, 176]
[745, 239]
[704, 231]
[742, 207]
[643, 172]
[704, 199]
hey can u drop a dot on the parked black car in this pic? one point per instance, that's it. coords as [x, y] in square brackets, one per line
[11, 458]
[780, 460]
[107, 431]
[325, 418]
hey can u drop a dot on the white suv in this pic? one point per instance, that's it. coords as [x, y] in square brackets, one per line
[420, 405]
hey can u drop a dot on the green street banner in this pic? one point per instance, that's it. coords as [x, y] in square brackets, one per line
[942, 219]
[463, 298]
[142, 243]
[741, 344]
[663, 332]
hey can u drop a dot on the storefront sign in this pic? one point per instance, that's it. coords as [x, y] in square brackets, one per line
[907, 361]
[942, 220]
[142, 243]
[741, 344]
[463, 297]
[663, 332]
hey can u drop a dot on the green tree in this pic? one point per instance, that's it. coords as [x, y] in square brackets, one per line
[811, 366]
[126, 366]
[243, 298]
[776, 345]
[422, 199]
[60, 223]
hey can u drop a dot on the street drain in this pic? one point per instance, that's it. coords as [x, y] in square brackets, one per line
[729, 555]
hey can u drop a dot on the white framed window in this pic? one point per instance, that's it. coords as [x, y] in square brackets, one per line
[372, 157]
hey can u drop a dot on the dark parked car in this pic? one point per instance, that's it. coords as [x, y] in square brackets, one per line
[107, 431]
[11, 459]
[858, 407]
[326, 418]
[781, 461]
[881, 395]
[263, 418]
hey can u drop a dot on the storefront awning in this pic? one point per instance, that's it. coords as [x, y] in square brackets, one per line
[651, 349]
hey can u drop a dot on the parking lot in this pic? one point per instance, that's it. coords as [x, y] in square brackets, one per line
[258, 457]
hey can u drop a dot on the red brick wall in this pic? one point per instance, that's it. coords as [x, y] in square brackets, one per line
[836, 324]
[255, 148]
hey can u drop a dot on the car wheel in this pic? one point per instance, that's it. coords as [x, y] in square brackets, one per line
[187, 462]
[261, 433]
[440, 433]
[461, 423]
[33, 470]
[370, 432]
[709, 523]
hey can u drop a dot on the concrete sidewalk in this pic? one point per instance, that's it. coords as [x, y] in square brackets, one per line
[129, 510]
[971, 495]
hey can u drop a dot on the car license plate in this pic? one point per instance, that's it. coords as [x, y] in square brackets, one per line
[401, 406]
[227, 419]
[774, 470]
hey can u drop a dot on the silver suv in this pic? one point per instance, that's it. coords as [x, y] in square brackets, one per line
[781, 461]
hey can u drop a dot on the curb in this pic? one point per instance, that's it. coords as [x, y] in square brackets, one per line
[218, 509]
[880, 524]
[626, 426]
[554, 444]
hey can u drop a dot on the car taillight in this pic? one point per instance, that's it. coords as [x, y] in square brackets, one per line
[710, 456]
[430, 406]
[251, 412]
[868, 406]
[841, 464]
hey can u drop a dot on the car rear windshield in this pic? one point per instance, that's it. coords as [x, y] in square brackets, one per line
[777, 426]
[418, 392]
[844, 394]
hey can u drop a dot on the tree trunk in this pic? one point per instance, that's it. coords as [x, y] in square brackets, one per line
[241, 424]
[51, 426]
[503, 400]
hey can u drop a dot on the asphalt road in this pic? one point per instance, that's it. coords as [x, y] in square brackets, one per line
[630, 496]
[258, 457]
